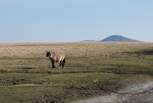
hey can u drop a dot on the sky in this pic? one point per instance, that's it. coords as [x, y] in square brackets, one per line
[74, 20]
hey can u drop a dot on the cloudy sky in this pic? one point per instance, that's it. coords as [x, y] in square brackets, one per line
[74, 20]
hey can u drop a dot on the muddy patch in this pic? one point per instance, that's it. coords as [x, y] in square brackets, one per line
[141, 93]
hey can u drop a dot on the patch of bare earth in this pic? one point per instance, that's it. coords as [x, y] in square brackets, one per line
[136, 93]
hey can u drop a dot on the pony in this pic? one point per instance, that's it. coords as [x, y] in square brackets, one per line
[56, 57]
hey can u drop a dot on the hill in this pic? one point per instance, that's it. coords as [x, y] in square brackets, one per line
[118, 38]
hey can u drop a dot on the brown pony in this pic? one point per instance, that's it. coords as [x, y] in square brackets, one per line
[55, 57]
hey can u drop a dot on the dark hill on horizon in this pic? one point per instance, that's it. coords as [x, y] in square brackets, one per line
[118, 38]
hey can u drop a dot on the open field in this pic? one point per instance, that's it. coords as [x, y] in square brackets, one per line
[92, 69]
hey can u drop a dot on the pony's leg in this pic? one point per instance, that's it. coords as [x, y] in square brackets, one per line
[53, 63]
[63, 63]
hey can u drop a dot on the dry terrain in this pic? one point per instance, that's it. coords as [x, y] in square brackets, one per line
[92, 69]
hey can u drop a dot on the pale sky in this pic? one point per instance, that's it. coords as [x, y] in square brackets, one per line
[74, 20]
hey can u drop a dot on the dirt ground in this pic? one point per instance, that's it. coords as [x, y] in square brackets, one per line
[142, 93]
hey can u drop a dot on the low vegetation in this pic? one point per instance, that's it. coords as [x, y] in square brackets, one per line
[91, 69]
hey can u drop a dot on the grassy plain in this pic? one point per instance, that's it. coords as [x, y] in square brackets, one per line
[91, 69]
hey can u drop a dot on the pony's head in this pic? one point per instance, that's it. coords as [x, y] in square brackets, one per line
[48, 54]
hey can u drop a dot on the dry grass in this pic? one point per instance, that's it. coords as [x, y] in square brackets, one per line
[71, 49]
[91, 69]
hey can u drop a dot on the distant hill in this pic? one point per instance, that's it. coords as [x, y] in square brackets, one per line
[89, 41]
[118, 38]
